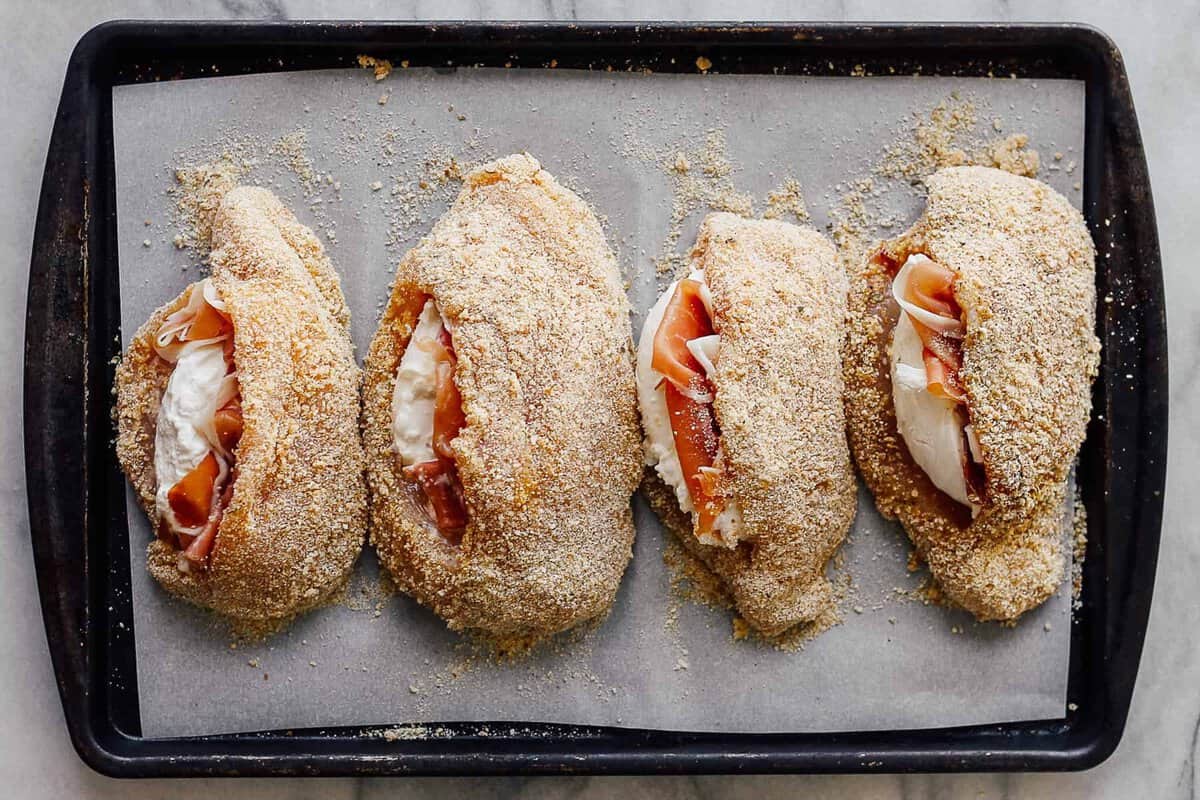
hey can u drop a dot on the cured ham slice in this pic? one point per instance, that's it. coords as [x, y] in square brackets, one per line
[196, 501]
[432, 360]
[689, 395]
[924, 289]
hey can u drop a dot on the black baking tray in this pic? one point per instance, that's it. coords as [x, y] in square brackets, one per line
[76, 495]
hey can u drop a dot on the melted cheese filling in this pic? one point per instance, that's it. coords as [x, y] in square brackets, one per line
[659, 444]
[414, 397]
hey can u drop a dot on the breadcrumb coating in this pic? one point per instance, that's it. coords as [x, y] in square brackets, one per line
[297, 518]
[549, 455]
[779, 304]
[1025, 278]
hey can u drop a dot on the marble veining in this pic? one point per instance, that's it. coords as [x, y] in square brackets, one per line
[1157, 757]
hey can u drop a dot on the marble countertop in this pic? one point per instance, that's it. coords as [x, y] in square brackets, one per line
[1156, 758]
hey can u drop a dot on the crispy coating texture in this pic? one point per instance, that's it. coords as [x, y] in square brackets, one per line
[549, 455]
[1025, 268]
[297, 517]
[779, 303]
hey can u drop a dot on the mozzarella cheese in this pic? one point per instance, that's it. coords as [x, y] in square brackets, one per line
[929, 424]
[704, 349]
[414, 396]
[185, 412]
[659, 444]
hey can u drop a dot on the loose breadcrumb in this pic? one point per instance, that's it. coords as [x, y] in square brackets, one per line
[787, 200]
[293, 149]
[1011, 154]
[198, 192]
[701, 177]
[381, 67]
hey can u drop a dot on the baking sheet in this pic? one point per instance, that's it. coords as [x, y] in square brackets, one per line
[369, 165]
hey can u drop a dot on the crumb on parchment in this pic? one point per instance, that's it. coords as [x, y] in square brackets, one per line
[293, 149]
[946, 135]
[1011, 154]
[198, 191]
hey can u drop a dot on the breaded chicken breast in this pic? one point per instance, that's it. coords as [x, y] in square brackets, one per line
[237, 414]
[969, 364]
[499, 411]
[740, 387]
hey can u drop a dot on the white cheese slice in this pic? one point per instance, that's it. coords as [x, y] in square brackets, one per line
[414, 396]
[185, 412]
[928, 423]
[704, 349]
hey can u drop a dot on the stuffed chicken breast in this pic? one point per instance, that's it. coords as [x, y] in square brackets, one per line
[969, 365]
[499, 411]
[739, 383]
[237, 412]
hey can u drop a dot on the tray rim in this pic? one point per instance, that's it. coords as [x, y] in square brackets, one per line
[1084, 739]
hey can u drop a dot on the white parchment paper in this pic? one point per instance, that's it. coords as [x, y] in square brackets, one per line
[366, 164]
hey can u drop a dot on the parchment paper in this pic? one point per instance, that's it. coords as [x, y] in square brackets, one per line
[352, 172]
